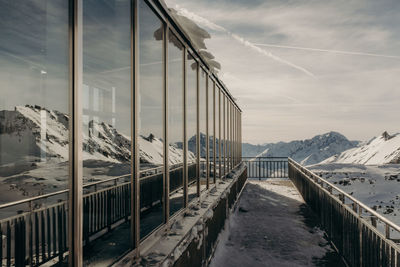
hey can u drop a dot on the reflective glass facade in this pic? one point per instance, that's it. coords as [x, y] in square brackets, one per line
[111, 124]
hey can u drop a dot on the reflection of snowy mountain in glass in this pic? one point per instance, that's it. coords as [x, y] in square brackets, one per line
[34, 151]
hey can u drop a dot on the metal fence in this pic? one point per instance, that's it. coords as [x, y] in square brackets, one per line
[34, 231]
[266, 167]
[361, 235]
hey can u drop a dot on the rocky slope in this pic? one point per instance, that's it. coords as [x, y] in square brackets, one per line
[379, 150]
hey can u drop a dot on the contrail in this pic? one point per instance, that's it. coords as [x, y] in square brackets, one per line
[329, 51]
[216, 27]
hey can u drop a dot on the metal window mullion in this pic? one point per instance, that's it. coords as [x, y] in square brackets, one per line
[236, 148]
[198, 127]
[219, 132]
[214, 132]
[228, 132]
[75, 220]
[185, 146]
[224, 125]
[225, 136]
[233, 136]
[135, 179]
[165, 120]
[231, 147]
[229, 135]
[237, 136]
[207, 139]
[240, 136]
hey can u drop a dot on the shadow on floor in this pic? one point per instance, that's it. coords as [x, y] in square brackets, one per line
[271, 229]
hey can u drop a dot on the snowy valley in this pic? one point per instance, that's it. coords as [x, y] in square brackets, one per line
[370, 172]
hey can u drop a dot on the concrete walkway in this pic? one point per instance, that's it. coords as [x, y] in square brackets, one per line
[272, 226]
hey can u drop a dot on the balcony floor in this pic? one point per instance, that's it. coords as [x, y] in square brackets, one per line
[272, 226]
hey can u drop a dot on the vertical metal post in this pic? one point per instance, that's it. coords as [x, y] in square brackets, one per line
[224, 139]
[219, 134]
[135, 180]
[75, 221]
[207, 138]
[198, 127]
[185, 145]
[165, 119]
[232, 136]
[214, 141]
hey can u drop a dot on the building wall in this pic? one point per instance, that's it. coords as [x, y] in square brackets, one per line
[111, 125]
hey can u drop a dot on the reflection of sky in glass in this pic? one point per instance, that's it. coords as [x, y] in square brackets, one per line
[34, 71]
[217, 137]
[202, 105]
[175, 90]
[211, 116]
[191, 102]
[34, 54]
[106, 62]
[150, 74]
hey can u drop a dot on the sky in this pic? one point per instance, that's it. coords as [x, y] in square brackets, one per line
[306, 67]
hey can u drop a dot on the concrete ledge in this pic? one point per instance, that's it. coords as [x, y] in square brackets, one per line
[191, 236]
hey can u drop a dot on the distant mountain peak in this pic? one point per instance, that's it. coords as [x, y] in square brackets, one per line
[307, 151]
[379, 150]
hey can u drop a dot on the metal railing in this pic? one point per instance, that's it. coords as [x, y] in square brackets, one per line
[266, 167]
[37, 231]
[361, 235]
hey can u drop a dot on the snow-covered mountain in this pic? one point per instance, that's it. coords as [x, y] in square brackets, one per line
[309, 151]
[32, 131]
[379, 150]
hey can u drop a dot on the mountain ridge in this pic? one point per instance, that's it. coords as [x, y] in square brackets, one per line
[383, 149]
[307, 152]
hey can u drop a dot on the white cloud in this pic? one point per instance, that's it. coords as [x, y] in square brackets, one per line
[357, 95]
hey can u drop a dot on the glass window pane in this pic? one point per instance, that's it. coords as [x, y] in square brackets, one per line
[151, 119]
[106, 130]
[191, 124]
[211, 165]
[34, 123]
[203, 129]
[175, 123]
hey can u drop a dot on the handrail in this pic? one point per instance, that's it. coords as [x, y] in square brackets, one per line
[23, 201]
[256, 157]
[260, 158]
[356, 201]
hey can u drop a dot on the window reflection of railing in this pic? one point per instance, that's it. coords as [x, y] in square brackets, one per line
[36, 234]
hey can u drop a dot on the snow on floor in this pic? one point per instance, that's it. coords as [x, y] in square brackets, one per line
[272, 226]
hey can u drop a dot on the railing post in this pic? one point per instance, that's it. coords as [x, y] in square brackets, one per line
[342, 198]
[387, 231]
[373, 221]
